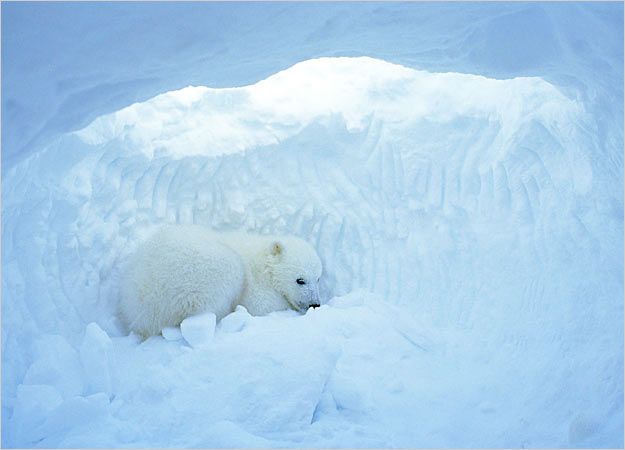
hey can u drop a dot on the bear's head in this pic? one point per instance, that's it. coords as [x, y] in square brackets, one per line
[294, 271]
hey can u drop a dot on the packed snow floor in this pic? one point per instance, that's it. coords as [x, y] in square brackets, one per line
[471, 231]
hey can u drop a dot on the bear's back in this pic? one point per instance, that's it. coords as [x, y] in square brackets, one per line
[180, 271]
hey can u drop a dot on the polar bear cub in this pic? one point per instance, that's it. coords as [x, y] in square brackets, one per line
[187, 269]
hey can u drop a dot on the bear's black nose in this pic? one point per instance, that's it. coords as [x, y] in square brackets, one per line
[316, 305]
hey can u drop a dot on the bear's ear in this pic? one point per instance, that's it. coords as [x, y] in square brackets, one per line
[276, 248]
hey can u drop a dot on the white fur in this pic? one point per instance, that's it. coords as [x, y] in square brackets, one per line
[185, 269]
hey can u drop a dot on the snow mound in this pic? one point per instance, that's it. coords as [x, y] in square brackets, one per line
[472, 247]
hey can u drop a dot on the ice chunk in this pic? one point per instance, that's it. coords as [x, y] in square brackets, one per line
[199, 330]
[235, 321]
[172, 333]
[95, 357]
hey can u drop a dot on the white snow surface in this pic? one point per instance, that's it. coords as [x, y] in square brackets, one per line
[470, 227]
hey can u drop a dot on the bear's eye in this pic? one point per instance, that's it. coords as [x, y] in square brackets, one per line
[300, 281]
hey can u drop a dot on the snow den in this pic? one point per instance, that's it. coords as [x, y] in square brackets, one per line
[470, 230]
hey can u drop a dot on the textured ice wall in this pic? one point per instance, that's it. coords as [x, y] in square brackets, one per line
[64, 64]
[477, 205]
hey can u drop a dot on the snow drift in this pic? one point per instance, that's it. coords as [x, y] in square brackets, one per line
[472, 247]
